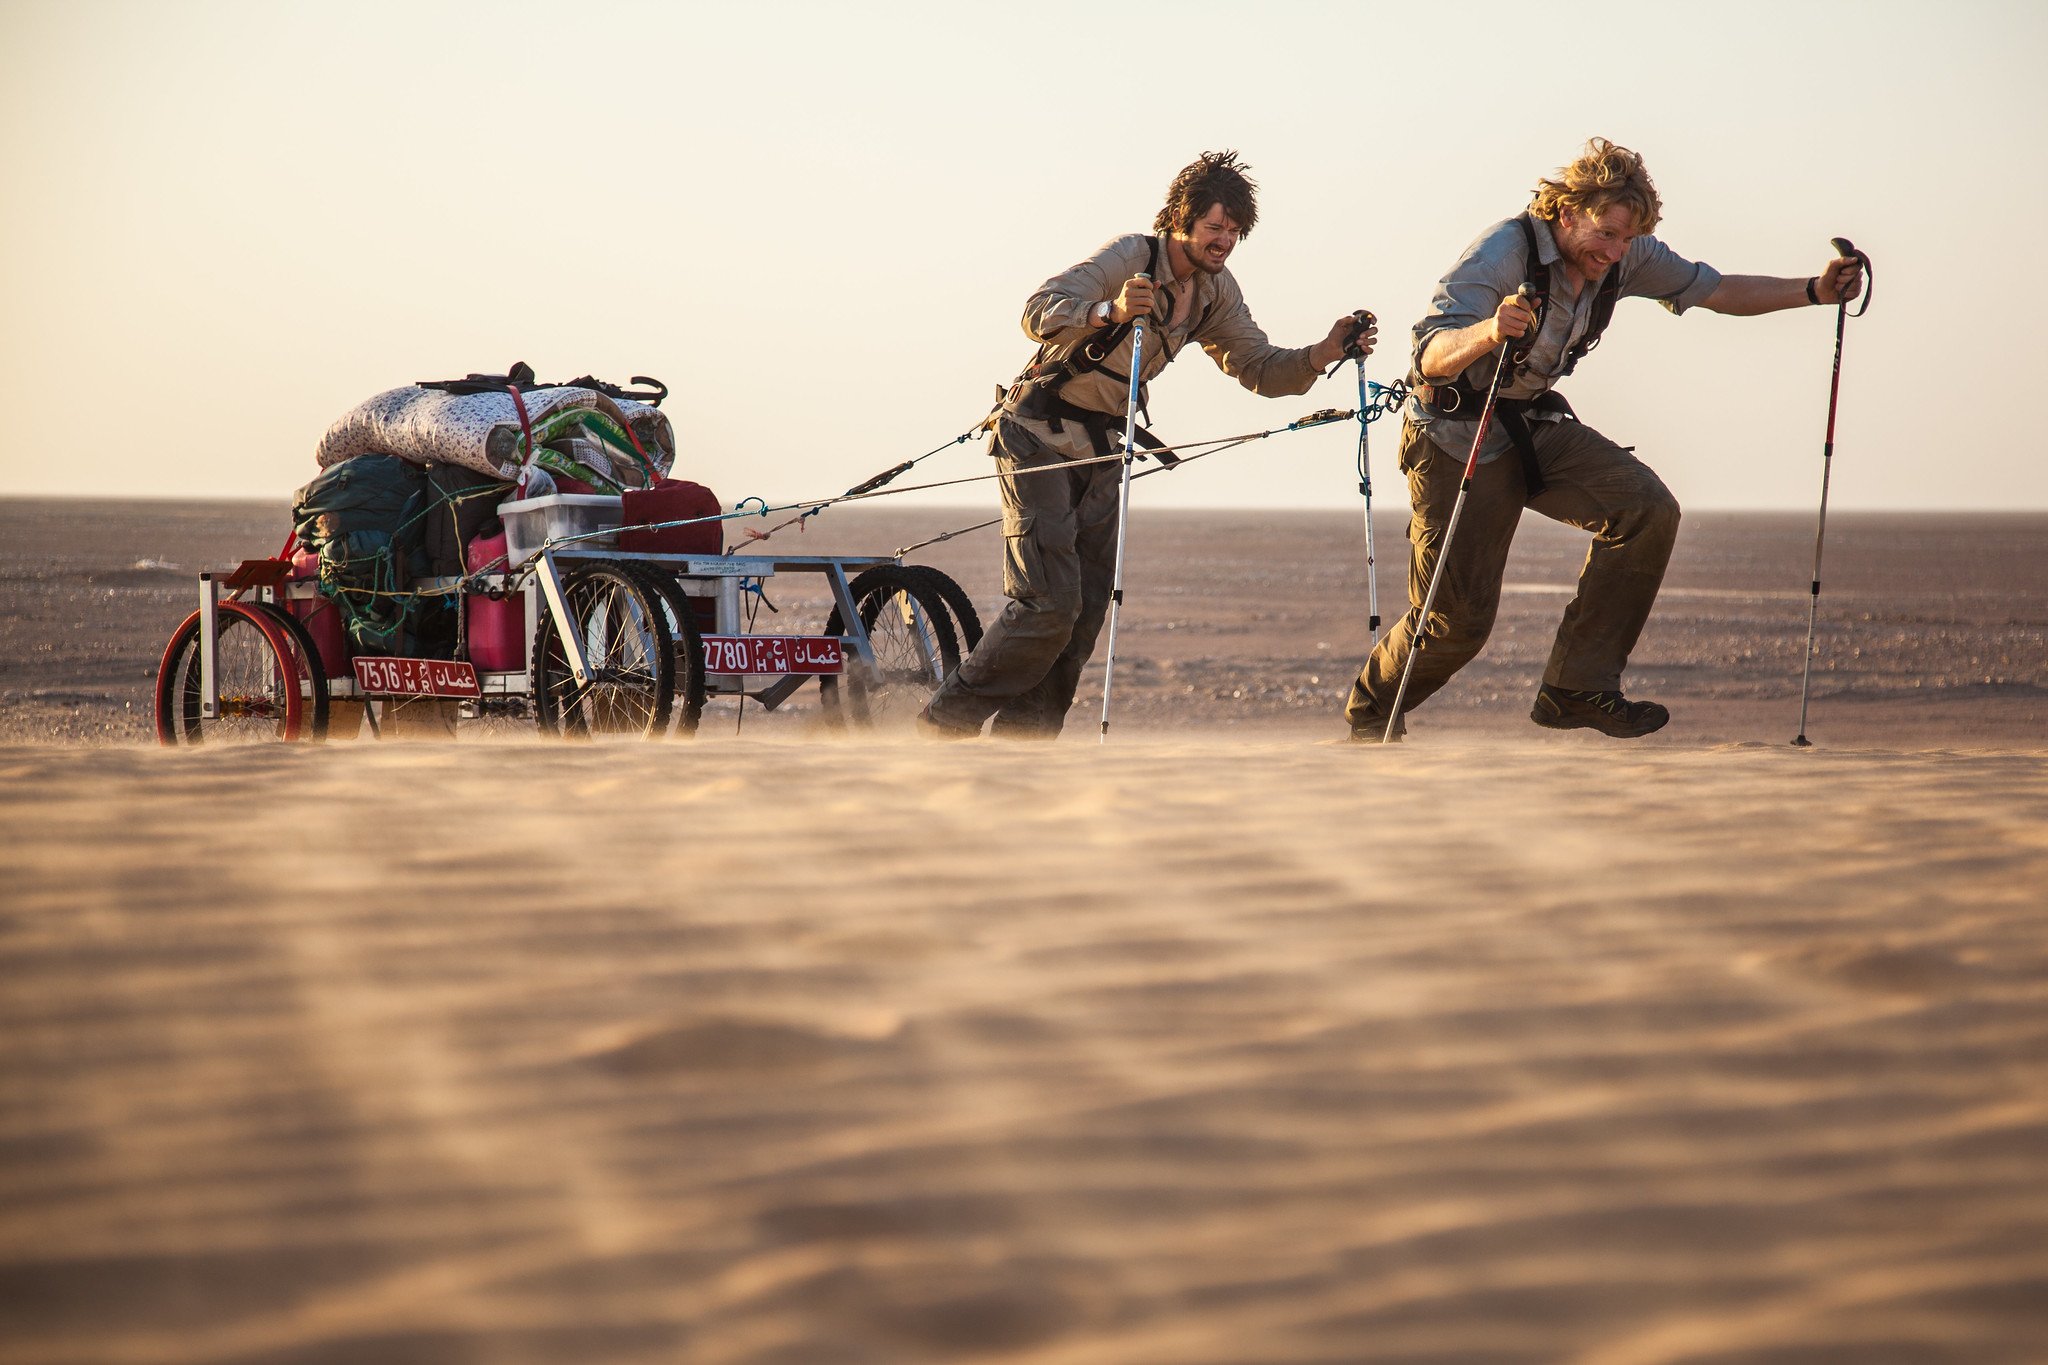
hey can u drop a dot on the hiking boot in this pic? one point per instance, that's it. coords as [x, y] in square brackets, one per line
[931, 727]
[1373, 730]
[1562, 708]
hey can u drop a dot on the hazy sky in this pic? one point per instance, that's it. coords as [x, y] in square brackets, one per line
[225, 224]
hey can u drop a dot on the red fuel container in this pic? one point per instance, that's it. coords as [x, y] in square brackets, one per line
[496, 630]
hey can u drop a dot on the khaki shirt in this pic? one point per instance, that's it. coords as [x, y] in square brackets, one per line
[1204, 308]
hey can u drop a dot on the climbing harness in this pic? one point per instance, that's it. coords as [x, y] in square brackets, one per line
[1456, 397]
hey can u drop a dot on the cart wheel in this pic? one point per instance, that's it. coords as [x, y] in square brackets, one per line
[966, 624]
[689, 643]
[623, 629]
[312, 672]
[257, 675]
[915, 649]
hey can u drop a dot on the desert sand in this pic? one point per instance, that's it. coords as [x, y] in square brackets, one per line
[1225, 1042]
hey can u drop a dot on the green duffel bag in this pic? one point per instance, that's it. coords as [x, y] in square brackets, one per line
[364, 518]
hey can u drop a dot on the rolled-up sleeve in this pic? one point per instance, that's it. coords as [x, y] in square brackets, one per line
[1487, 272]
[1241, 349]
[1654, 271]
[1058, 311]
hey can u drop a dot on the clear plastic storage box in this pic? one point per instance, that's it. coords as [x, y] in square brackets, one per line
[529, 523]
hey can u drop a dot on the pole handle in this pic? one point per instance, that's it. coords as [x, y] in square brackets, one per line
[1362, 321]
[1846, 250]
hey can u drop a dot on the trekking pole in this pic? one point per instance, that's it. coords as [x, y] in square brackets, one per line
[1372, 580]
[1846, 250]
[1123, 507]
[1443, 555]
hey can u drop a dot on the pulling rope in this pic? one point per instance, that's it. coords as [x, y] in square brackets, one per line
[1215, 446]
[1384, 399]
[869, 484]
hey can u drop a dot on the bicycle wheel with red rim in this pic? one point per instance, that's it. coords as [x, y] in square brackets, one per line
[257, 676]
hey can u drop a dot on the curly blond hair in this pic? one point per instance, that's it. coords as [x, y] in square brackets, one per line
[1604, 175]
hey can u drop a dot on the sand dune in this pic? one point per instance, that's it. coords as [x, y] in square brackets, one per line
[1206, 1049]
[1224, 1044]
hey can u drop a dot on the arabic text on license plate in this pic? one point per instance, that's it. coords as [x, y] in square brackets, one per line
[417, 678]
[773, 654]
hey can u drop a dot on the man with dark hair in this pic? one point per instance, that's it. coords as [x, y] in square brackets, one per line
[1059, 516]
[1585, 243]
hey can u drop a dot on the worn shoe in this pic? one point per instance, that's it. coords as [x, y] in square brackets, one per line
[1562, 708]
[1374, 731]
[932, 728]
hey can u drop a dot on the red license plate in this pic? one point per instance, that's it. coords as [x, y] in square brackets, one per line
[773, 654]
[417, 678]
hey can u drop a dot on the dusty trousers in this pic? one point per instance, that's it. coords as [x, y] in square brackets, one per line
[1059, 562]
[1593, 484]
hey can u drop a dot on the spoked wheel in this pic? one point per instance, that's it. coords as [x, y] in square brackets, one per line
[915, 648]
[260, 674]
[679, 612]
[622, 625]
[311, 670]
[966, 622]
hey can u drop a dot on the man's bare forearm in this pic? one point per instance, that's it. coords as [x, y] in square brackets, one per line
[1450, 354]
[1745, 296]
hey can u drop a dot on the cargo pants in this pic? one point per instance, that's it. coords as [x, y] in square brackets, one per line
[1059, 563]
[1593, 484]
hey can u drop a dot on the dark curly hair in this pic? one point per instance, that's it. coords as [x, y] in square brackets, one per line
[1212, 178]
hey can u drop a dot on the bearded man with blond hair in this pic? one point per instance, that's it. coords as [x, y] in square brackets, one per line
[1585, 243]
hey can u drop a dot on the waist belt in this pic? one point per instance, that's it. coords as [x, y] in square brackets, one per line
[1029, 400]
[1455, 400]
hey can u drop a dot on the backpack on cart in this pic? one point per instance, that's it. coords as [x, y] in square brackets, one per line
[365, 520]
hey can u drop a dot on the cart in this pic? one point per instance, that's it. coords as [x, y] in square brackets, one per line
[573, 637]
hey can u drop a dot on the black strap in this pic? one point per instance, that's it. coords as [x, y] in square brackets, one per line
[520, 377]
[1091, 354]
[1509, 411]
[1054, 411]
[1605, 296]
[1537, 272]
[651, 396]
[1869, 280]
[1459, 401]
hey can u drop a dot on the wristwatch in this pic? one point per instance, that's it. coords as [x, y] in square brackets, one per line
[1102, 311]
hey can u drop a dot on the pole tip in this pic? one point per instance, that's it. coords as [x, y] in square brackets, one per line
[1802, 742]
